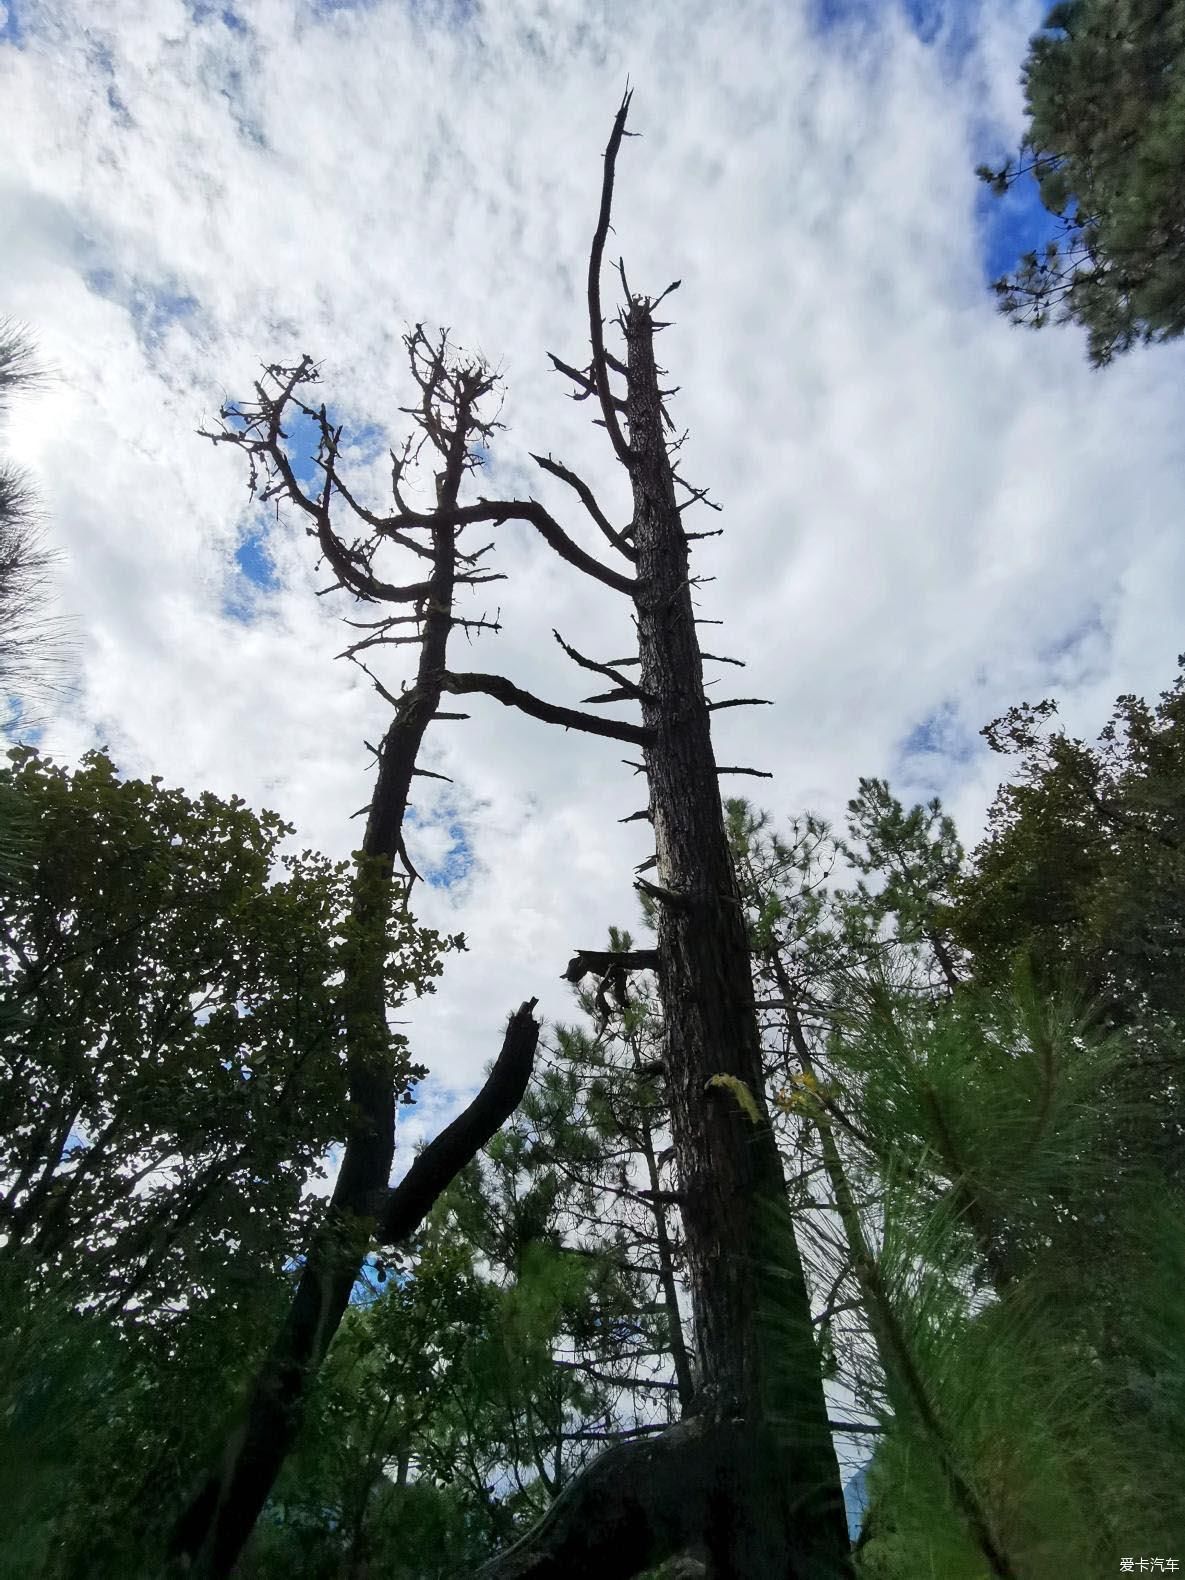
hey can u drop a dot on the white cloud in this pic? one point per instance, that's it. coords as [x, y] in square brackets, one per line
[922, 505]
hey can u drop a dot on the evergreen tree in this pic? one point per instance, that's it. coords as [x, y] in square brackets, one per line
[34, 650]
[1105, 143]
[962, 1171]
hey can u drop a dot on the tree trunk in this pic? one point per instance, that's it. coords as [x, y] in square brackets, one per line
[750, 1482]
[666, 1275]
[753, 1329]
[209, 1536]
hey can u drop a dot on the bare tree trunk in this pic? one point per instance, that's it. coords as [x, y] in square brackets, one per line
[789, 1521]
[211, 1533]
[769, 1503]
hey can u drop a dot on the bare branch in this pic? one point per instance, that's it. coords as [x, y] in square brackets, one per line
[401, 850]
[584, 381]
[596, 962]
[500, 510]
[596, 326]
[585, 494]
[741, 702]
[511, 696]
[443, 1158]
[629, 687]
[697, 496]
[370, 518]
[617, 695]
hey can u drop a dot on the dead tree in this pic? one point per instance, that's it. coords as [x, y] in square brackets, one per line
[364, 1211]
[750, 1484]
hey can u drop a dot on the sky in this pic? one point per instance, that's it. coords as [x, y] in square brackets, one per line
[929, 515]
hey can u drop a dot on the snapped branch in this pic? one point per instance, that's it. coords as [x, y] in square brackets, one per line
[443, 1158]
[741, 702]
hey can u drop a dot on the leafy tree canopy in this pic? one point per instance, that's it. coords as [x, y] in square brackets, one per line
[171, 1069]
[171, 1075]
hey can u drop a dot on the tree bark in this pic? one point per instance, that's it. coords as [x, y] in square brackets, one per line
[751, 1481]
[666, 1275]
[753, 1329]
[209, 1536]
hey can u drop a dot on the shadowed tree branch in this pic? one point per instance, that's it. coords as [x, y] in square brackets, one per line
[409, 1202]
[585, 494]
[512, 696]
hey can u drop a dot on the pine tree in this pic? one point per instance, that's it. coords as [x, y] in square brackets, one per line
[1105, 143]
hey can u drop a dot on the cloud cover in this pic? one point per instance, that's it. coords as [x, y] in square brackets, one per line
[928, 515]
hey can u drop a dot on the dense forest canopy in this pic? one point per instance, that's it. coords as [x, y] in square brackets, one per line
[977, 1088]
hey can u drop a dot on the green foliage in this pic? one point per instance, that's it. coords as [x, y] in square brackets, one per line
[1083, 872]
[1105, 143]
[374, 1473]
[992, 1141]
[1015, 1276]
[1021, 1406]
[977, 1060]
[918, 856]
[179, 1068]
[34, 654]
[995, 1101]
[171, 1074]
